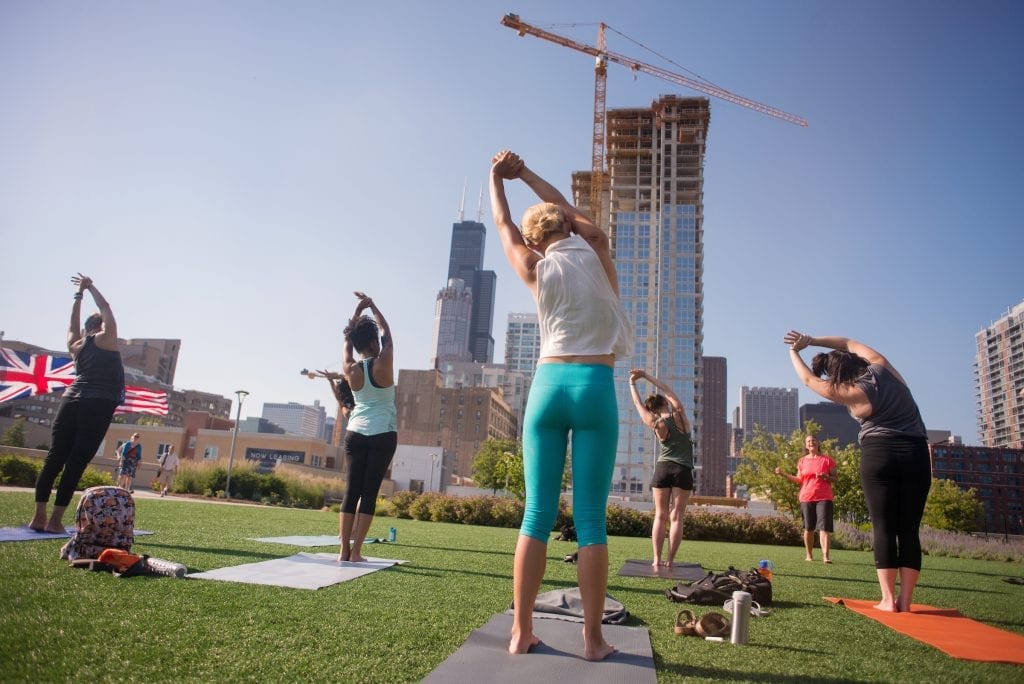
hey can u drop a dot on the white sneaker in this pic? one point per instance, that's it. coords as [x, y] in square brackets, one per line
[164, 492]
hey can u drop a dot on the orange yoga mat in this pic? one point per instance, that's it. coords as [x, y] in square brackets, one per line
[947, 630]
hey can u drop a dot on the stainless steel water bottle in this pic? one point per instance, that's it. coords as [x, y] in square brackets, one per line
[740, 617]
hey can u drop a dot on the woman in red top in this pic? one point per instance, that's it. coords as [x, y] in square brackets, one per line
[815, 473]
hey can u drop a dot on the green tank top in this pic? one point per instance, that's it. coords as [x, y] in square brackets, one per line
[678, 446]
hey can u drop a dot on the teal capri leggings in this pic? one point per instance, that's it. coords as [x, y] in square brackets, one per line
[579, 399]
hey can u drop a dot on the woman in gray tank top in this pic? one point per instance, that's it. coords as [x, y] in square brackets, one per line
[895, 469]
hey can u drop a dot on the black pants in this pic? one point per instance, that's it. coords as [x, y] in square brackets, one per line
[895, 473]
[368, 458]
[78, 429]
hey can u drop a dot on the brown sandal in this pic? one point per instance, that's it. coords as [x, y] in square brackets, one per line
[713, 625]
[687, 627]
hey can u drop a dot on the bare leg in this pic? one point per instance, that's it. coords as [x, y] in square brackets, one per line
[908, 580]
[887, 581]
[56, 524]
[680, 497]
[662, 497]
[39, 519]
[527, 574]
[809, 544]
[592, 573]
[359, 531]
[345, 523]
[826, 544]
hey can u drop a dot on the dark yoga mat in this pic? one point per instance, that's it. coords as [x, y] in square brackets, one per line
[484, 657]
[688, 572]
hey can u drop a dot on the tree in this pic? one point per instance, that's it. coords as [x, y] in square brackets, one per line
[492, 468]
[150, 420]
[766, 452]
[15, 435]
[951, 508]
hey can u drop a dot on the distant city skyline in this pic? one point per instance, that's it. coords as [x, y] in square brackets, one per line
[229, 177]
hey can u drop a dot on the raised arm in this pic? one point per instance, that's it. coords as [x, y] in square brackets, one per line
[506, 165]
[75, 326]
[841, 394]
[646, 416]
[384, 369]
[677, 406]
[106, 338]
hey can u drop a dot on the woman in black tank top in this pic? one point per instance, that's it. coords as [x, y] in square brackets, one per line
[86, 409]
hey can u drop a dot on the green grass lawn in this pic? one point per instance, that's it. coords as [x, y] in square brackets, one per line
[397, 625]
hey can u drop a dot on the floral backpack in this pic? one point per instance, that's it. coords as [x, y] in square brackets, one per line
[104, 519]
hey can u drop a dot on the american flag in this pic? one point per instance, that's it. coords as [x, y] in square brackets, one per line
[25, 375]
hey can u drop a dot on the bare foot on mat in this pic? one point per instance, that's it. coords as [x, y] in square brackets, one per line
[518, 646]
[887, 607]
[597, 651]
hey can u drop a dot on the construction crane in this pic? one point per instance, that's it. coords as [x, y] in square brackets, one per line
[602, 56]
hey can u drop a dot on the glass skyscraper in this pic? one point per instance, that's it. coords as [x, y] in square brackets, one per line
[654, 211]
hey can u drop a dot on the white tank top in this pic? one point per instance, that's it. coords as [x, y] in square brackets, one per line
[577, 309]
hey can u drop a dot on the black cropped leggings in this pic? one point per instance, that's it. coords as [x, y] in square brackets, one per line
[368, 458]
[895, 473]
[78, 429]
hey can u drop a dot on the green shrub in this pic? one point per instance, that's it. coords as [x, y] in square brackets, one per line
[401, 501]
[627, 522]
[419, 509]
[94, 478]
[17, 471]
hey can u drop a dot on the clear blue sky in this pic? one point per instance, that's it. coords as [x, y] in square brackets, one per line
[229, 172]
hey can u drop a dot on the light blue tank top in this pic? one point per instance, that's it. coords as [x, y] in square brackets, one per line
[375, 411]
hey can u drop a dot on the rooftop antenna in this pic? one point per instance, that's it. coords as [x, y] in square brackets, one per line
[462, 204]
[480, 206]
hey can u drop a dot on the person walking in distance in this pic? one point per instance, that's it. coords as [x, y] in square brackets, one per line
[372, 425]
[129, 455]
[895, 467]
[565, 261]
[168, 469]
[86, 408]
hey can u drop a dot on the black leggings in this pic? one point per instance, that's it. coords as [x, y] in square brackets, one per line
[78, 429]
[895, 473]
[368, 459]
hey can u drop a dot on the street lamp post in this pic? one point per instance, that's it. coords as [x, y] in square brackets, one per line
[241, 394]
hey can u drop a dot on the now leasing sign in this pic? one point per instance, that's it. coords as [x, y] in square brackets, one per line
[272, 456]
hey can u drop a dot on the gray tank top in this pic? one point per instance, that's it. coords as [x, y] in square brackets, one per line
[99, 374]
[893, 409]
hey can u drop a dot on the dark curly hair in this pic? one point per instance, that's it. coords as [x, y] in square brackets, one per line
[839, 367]
[362, 333]
[656, 403]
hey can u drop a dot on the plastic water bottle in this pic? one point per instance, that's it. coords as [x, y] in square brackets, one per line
[740, 617]
[764, 567]
[159, 566]
[392, 534]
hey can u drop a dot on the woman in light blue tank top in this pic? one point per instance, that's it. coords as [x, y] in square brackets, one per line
[372, 435]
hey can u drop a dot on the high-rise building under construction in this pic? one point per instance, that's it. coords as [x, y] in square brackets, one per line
[653, 209]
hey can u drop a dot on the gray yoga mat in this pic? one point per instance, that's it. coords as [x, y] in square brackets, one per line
[26, 533]
[301, 571]
[688, 572]
[484, 657]
[310, 541]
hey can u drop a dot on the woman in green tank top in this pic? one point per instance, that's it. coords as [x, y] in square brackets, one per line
[672, 483]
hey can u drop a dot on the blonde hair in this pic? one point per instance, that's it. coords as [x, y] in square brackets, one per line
[542, 220]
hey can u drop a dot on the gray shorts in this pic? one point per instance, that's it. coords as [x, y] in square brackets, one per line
[817, 515]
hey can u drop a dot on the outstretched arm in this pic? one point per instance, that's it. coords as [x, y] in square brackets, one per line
[845, 395]
[75, 326]
[677, 406]
[505, 166]
[648, 418]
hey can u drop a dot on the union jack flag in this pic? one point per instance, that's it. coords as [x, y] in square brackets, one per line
[25, 375]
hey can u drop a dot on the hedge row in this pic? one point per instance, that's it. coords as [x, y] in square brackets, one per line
[495, 511]
[18, 471]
